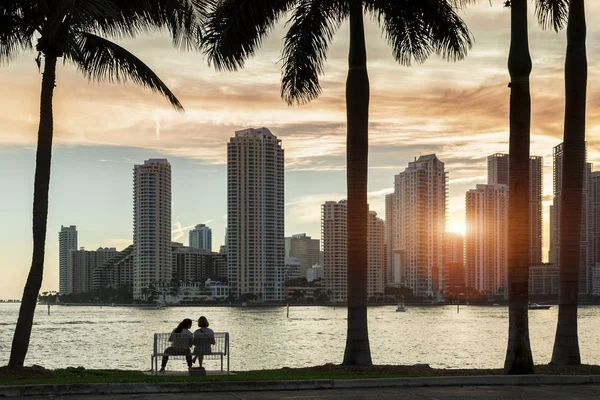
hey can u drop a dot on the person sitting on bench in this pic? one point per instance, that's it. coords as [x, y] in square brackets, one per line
[204, 337]
[181, 340]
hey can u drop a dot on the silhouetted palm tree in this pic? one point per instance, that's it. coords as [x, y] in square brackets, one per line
[566, 343]
[414, 29]
[78, 32]
[519, 359]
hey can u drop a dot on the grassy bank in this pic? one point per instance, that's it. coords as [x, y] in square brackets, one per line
[39, 375]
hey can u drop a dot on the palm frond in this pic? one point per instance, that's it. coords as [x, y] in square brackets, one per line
[100, 60]
[552, 14]
[417, 28]
[236, 29]
[16, 35]
[312, 26]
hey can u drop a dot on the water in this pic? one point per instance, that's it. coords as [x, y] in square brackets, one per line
[263, 338]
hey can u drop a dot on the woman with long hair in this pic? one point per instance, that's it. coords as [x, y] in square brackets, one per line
[181, 340]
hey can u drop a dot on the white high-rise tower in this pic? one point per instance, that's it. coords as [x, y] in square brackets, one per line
[419, 226]
[67, 242]
[255, 215]
[152, 263]
[487, 239]
[201, 237]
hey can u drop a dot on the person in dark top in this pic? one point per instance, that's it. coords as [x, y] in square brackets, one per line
[181, 340]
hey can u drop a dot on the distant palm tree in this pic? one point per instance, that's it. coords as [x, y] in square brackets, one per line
[77, 31]
[566, 343]
[414, 29]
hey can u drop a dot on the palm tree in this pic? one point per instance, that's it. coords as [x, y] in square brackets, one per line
[414, 29]
[78, 32]
[566, 343]
[519, 359]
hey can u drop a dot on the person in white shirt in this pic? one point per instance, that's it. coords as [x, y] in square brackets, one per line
[204, 337]
[181, 340]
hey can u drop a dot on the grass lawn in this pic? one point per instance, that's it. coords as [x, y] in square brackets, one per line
[39, 375]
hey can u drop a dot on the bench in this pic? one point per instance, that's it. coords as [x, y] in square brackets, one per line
[202, 345]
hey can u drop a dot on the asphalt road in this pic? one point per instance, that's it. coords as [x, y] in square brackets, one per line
[584, 391]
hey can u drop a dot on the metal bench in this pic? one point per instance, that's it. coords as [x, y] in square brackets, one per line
[202, 345]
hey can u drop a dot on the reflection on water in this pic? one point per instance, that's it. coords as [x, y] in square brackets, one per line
[261, 338]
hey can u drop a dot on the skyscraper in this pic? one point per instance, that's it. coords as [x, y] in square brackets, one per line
[151, 225]
[587, 254]
[419, 225]
[454, 264]
[83, 264]
[498, 174]
[391, 238]
[487, 238]
[305, 249]
[201, 237]
[255, 214]
[334, 235]
[67, 242]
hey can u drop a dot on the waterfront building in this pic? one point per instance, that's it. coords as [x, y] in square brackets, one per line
[201, 237]
[151, 225]
[486, 255]
[293, 269]
[67, 242]
[544, 279]
[255, 214]
[587, 260]
[218, 290]
[116, 272]
[196, 265]
[82, 265]
[418, 218]
[334, 234]
[498, 170]
[305, 249]
[391, 238]
[315, 272]
[454, 265]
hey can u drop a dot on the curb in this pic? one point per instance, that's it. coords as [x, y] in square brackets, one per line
[136, 388]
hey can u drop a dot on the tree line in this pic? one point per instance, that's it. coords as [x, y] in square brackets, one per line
[229, 32]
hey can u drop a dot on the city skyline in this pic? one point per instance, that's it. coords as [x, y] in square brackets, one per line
[439, 103]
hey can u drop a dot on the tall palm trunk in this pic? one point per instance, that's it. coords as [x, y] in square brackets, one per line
[566, 343]
[357, 151]
[518, 354]
[20, 342]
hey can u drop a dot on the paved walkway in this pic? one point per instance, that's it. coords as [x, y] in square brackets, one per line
[554, 392]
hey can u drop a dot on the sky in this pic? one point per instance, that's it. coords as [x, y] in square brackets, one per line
[459, 111]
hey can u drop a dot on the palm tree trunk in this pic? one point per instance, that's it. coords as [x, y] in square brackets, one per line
[518, 354]
[357, 350]
[20, 342]
[566, 343]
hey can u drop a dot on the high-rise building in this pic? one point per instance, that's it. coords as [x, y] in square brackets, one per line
[334, 235]
[391, 238]
[487, 239]
[201, 237]
[587, 259]
[151, 225]
[314, 272]
[115, 272]
[82, 265]
[305, 249]
[67, 242]
[498, 168]
[255, 214]
[375, 255]
[196, 265]
[419, 225]
[454, 265]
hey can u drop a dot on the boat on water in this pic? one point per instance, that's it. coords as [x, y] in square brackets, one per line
[536, 306]
[400, 307]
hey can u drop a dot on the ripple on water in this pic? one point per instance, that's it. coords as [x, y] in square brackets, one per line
[264, 338]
